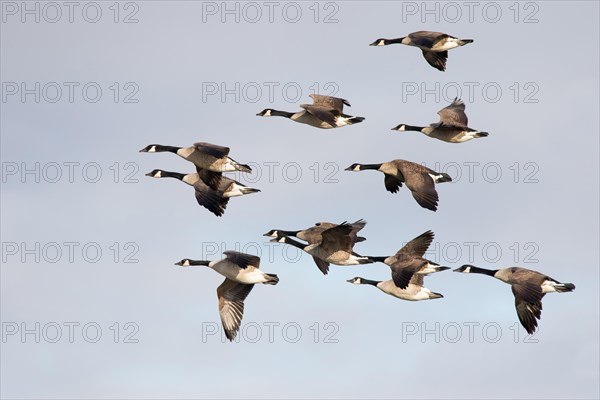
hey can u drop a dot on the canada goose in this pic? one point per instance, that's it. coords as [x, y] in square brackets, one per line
[206, 156]
[435, 45]
[452, 126]
[213, 200]
[409, 261]
[418, 178]
[413, 292]
[326, 112]
[241, 272]
[528, 287]
[312, 235]
[335, 247]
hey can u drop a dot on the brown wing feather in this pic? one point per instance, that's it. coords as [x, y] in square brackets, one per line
[324, 114]
[212, 149]
[211, 178]
[212, 200]
[313, 234]
[323, 265]
[528, 302]
[417, 279]
[425, 38]
[338, 238]
[231, 296]
[418, 246]
[392, 184]
[329, 102]
[437, 59]
[454, 114]
[423, 190]
[242, 259]
[403, 270]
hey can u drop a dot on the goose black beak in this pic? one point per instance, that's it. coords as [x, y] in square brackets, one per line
[149, 174]
[179, 263]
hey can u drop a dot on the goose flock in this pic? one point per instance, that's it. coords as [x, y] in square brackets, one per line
[330, 243]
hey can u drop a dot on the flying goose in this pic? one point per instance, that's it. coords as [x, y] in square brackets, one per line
[213, 200]
[409, 261]
[413, 292]
[528, 287]
[210, 157]
[418, 178]
[312, 235]
[326, 112]
[434, 45]
[452, 126]
[335, 247]
[241, 272]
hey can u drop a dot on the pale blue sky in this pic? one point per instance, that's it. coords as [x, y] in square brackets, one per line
[543, 123]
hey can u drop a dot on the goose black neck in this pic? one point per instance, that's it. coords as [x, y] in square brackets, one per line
[277, 113]
[377, 258]
[288, 233]
[370, 166]
[394, 41]
[159, 148]
[413, 128]
[364, 281]
[289, 240]
[484, 271]
[199, 262]
[168, 174]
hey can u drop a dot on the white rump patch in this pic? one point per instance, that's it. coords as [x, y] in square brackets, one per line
[436, 178]
[429, 269]
[548, 286]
